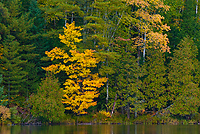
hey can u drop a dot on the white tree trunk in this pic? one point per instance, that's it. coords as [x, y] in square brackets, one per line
[144, 48]
[197, 7]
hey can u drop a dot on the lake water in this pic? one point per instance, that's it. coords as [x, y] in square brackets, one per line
[102, 129]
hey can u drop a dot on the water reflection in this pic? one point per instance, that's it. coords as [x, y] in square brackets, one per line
[4, 130]
[102, 129]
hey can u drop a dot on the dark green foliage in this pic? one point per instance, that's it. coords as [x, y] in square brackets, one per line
[101, 27]
[173, 18]
[13, 74]
[15, 118]
[129, 84]
[47, 102]
[18, 70]
[184, 91]
[155, 81]
[190, 24]
[2, 96]
[126, 80]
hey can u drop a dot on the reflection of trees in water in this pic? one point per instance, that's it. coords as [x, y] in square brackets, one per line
[117, 129]
[81, 130]
[134, 129]
[101, 129]
[95, 129]
[128, 129]
[107, 129]
[5, 130]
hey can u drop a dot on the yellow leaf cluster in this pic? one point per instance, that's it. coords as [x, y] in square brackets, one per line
[71, 35]
[158, 38]
[150, 24]
[107, 114]
[57, 53]
[81, 85]
[79, 102]
[5, 113]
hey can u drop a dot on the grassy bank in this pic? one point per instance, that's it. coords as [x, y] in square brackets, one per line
[101, 117]
[122, 119]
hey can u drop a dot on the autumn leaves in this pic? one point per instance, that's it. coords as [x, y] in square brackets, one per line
[81, 85]
[149, 23]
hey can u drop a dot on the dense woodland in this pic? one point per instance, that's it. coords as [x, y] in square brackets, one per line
[100, 58]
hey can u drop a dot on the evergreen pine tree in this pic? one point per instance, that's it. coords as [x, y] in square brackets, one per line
[127, 82]
[15, 30]
[12, 69]
[47, 103]
[155, 81]
[184, 91]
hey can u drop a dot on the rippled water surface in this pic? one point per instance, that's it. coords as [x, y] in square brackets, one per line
[102, 129]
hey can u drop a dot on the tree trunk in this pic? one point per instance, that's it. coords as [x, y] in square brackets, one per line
[65, 18]
[128, 111]
[136, 113]
[135, 129]
[9, 91]
[72, 19]
[197, 7]
[107, 92]
[114, 105]
[54, 23]
[144, 49]
[122, 108]
[138, 61]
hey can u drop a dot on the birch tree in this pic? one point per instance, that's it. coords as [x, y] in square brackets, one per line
[149, 24]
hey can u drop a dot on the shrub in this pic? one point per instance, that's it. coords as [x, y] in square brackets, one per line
[4, 114]
[15, 118]
[47, 103]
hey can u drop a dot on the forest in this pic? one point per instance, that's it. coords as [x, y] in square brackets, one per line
[99, 61]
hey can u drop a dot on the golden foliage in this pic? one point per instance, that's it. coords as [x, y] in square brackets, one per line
[106, 114]
[81, 85]
[71, 34]
[5, 113]
[149, 24]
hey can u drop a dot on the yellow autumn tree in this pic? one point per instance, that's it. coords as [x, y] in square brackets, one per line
[149, 24]
[81, 85]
